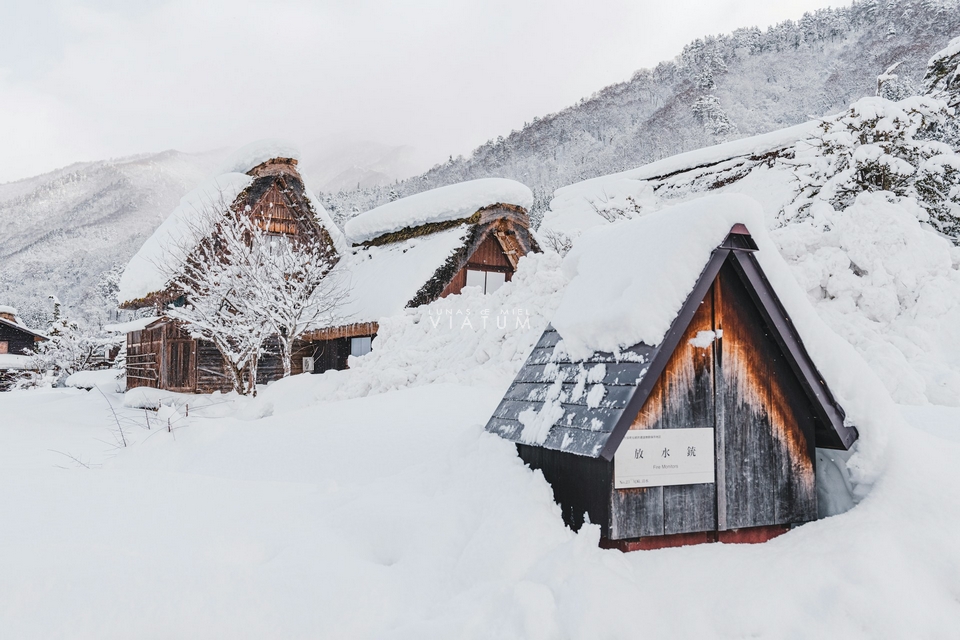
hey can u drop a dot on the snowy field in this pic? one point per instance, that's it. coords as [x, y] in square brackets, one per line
[396, 516]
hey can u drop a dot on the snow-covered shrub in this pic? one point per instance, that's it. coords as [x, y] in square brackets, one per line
[69, 349]
[879, 145]
[888, 286]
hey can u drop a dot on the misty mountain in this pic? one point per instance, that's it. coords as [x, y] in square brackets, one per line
[719, 88]
[65, 230]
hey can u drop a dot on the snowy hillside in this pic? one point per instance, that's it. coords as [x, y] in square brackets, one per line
[65, 230]
[718, 88]
[370, 503]
[874, 265]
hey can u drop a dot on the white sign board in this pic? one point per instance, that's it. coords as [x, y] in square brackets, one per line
[664, 457]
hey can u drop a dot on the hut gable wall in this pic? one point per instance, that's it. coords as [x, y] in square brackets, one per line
[505, 230]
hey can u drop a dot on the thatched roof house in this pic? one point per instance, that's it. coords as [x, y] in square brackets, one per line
[415, 250]
[270, 189]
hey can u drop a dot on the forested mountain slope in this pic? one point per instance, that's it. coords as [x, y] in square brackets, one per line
[719, 88]
[65, 231]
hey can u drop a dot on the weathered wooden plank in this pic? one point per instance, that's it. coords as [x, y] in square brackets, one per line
[688, 403]
[636, 512]
[768, 426]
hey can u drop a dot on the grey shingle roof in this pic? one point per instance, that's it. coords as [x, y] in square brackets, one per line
[582, 430]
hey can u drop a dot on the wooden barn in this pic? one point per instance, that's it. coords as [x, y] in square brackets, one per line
[415, 250]
[709, 435]
[159, 352]
[15, 339]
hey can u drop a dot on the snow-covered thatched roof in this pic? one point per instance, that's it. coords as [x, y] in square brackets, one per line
[453, 202]
[575, 207]
[163, 254]
[407, 251]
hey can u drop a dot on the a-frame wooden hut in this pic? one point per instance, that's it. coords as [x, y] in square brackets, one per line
[708, 435]
[427, 246]
[161, 354]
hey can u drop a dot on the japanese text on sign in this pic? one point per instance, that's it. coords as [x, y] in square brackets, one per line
[664, 457]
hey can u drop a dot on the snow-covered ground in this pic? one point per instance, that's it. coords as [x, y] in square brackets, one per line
[396, 516]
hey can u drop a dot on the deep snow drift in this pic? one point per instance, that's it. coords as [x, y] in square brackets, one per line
[396, 516]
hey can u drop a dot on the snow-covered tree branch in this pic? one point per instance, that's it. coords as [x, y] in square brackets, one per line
[242, 284]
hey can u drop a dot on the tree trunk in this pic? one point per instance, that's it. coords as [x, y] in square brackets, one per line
[286, 354]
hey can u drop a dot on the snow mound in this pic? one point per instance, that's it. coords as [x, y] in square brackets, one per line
[469, 338]
[453, 202]
[258, 152]
[14, 361]
[107, 380]
[7, 309]
[162, 254]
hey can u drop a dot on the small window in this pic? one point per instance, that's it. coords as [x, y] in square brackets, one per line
[308, 365]
[495, 280]
[4, 347]
[361, 346]
[488, 281]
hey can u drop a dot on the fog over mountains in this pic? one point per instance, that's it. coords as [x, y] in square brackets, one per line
[67, 229]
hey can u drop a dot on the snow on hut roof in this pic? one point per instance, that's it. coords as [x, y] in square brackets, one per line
[453, 202]
[17, 322]
[629, 279]
[628, 282]
[249, 156]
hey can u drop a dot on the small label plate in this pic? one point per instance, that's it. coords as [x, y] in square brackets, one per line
[664, 457]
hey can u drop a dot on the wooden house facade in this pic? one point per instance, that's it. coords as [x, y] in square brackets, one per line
[710, 435]
[163, 355]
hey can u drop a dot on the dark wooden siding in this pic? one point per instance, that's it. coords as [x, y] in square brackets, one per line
[16, 339]
[766, 421]
[144, 356]
[744, 387]
[488, 256]
[581, 485]
[179, 366]
[683, 397]
[330, 354]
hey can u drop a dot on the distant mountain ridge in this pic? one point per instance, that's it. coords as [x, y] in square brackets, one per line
[719, 88]
[66, 230]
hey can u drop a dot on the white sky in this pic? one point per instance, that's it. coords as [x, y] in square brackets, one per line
[86, 80]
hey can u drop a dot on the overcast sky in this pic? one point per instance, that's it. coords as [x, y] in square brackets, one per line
[86, 80]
